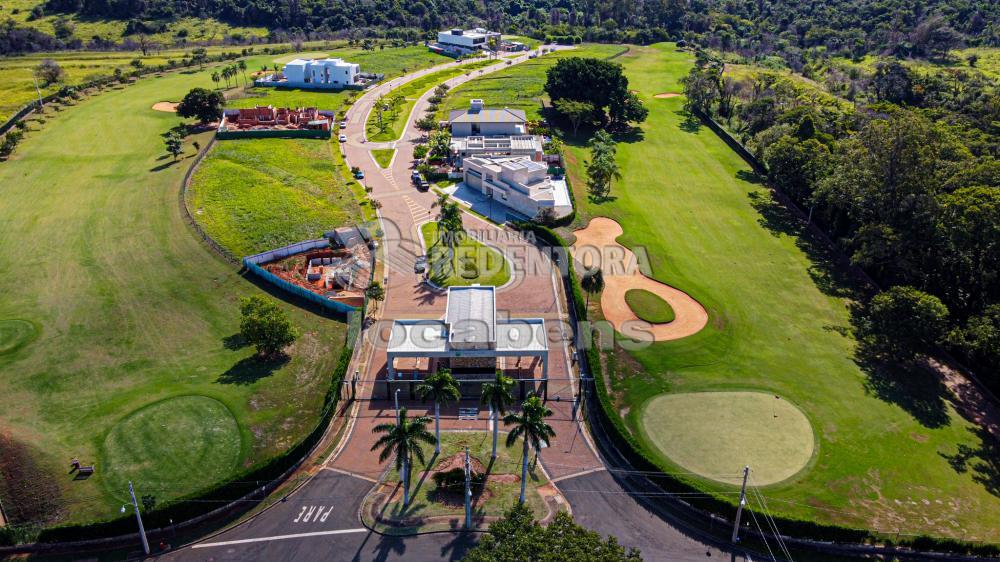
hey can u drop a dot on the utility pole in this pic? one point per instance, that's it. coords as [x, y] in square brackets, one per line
[396, 396]
[138, 517]
[37, 91]
[468, 491]
[739, 509]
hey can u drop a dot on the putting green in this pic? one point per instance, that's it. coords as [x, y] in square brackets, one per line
[716, 434]
[15, 333]
[649, 306]
[171, 448]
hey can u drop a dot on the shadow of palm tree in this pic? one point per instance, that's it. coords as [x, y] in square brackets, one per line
[251, 369]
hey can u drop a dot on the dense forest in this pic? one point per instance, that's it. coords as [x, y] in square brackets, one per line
[784, 27]
[905, 177]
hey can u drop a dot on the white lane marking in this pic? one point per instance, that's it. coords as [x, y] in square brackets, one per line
[281, 537]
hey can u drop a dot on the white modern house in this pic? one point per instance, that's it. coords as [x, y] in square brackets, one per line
[482, 131]
[321, 73]
[472, 340]
[518, 182]
[457, 42]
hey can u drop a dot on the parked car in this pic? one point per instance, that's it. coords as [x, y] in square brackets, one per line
[420, 265]
[343, 138]
[422, 185]
[359, 175]
[415, 177]
[343, 124]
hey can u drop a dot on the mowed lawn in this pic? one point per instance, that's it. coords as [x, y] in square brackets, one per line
[252, 195]
[779, 324]
[470, 262]
[131, 308]
[521, 85]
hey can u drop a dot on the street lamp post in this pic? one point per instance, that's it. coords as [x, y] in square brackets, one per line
[138, 518]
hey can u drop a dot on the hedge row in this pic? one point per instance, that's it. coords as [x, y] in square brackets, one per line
[189, 507]
[637, 456]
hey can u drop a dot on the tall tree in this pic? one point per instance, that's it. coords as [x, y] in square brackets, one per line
[205, 105]
[518, 537]
[576, 111]
[439, 388]
[497, 396]
[403, 440]
[265, 325]
[529, 425]
[592, 282]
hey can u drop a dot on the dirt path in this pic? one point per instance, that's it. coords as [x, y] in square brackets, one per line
[689, 316]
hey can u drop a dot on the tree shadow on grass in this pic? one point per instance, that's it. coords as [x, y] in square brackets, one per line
[914, 388]
[689, 123]
[164, 166]
[234, 342]
[251, 369]
[829, 272]
[983, 460]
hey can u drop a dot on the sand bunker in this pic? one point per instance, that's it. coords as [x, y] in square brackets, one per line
[689, 316]
[166, 106]
[667, 95]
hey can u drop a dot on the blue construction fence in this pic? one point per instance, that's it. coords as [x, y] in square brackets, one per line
[252, 263]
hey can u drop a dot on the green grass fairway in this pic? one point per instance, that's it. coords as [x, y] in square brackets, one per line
[393, 122]
[252, 195]
[172, 447]
[383, 156]
[716, 434]
[649, 307]
[15, 334]
[131, 306]
[520, 86]
[472, 263]
[887, 448]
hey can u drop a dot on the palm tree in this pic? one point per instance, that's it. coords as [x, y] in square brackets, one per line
[243, 68]
[225, 76]
[592, 282]
[216, 78]
[530, 425]
[403, 439]
[497, 396]
[442, 388]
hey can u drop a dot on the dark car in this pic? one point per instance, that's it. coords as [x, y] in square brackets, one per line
[415, 177]
[422, 185]
[420, 265]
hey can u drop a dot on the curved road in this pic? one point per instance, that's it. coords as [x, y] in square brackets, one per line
[320, 521]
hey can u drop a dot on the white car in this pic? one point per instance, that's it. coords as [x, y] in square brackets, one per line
[343, 138]
[343, 124]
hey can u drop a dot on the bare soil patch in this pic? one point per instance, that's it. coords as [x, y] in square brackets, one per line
[666, 95]
[165, 106]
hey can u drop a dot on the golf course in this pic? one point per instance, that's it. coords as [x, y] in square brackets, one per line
[778, 326]
[115, 312]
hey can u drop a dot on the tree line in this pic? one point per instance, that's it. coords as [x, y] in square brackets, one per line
[784, 28]
[906, 179]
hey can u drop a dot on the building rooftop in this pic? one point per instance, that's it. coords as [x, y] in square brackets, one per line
[504, 115]
[471, 314]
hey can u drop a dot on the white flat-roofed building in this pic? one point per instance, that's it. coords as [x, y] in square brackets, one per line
[465, 41]
[518, 182]
[483, 131]
[469, 339]
[321, 73]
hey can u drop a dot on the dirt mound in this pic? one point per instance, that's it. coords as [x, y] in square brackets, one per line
[689, 316]
[665, 95]
[165, 106]
[458, 461]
